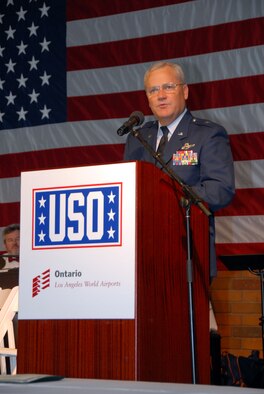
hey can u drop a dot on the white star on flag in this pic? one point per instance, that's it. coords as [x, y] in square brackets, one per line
[111, 233]
[44, 10]
[41, 236]
[45, 112]
[33, 64]
[21, 14]
[22, 81]
[45, 78]
[11, 98]
[42, 202]
[33, 30]
[42, 219]
[21, 48]
[111, 215]
[10, 66]
[22, 114]
[33, 96]
[45, 45]
[111, 197]
[10, 32]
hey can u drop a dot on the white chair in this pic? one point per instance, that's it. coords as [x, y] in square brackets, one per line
[3, 296]
[9, 308]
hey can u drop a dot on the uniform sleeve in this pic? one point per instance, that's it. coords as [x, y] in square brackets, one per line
[217, 183]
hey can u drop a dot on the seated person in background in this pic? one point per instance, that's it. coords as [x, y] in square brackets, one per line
[11, 239]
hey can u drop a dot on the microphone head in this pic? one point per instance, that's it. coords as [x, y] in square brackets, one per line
[135, 119]
[139, 117]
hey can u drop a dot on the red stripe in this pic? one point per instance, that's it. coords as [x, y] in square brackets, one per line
[115, 105]
[59, 158]
[79, 9]
[247, 146]
[227, 93]
[198, 41]
[9, 213]
[217, 94]
[239, 249]
[246, 202]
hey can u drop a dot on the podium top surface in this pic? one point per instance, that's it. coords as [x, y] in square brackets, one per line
[243, 262]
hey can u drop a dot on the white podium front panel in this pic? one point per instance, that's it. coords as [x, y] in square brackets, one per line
[77, 247]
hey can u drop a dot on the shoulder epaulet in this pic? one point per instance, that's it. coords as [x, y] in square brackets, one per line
[203, 122]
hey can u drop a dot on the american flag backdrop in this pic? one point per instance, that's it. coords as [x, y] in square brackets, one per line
[71, 72]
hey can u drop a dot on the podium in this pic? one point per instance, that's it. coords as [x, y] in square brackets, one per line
[154, 345]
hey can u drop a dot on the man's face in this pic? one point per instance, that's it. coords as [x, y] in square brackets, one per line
[12, 242]
[166, 106]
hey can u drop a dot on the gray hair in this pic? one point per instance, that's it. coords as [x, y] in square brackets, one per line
[156, 66]
[9, 229]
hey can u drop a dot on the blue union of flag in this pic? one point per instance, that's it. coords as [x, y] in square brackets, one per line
[77, 216]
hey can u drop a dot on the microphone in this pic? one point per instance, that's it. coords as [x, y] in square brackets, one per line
[135, 119]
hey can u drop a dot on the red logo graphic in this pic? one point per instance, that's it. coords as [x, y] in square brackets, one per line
[40, 282]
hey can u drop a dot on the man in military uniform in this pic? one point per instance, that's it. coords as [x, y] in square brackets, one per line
[196, 150]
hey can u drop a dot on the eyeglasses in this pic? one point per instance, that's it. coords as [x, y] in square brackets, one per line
[169, 87]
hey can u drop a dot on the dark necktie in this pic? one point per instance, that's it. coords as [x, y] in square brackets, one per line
[163, 140]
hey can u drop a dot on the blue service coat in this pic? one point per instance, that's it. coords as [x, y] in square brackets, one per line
[211, 174]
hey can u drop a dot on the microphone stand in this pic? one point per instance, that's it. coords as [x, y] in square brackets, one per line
[190, 198]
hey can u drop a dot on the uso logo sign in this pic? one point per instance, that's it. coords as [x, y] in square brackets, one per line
[77, 216]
